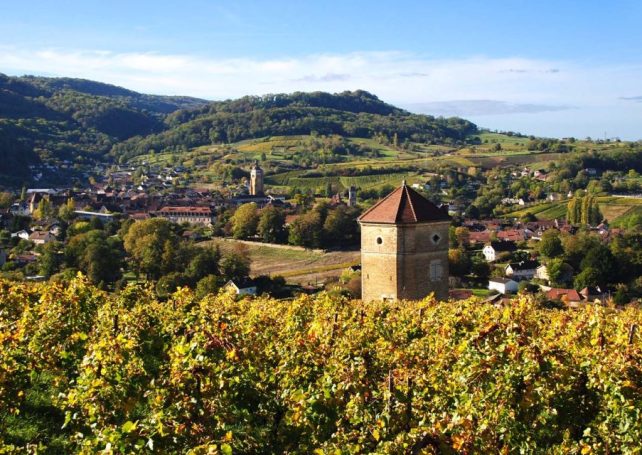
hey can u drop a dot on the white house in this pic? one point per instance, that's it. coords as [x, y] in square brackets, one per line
[541, 273]
[523, 270]
[502, 285]
[492, 250]
[242, 287]
[22, 234]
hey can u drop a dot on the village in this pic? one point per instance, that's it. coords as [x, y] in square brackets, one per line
[490, 257]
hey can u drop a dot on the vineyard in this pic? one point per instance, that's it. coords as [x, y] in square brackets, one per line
[85, 372]
[295, 179]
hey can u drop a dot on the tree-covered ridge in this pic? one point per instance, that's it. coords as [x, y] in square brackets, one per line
[354, 114]
[44, 119]
[82, 371]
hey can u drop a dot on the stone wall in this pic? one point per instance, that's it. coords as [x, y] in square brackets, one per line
[396, 260]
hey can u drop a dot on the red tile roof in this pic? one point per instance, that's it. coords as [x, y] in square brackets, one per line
[404, 205]
[556, 294]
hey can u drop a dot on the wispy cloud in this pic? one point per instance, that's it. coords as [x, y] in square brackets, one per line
[329, 77]
[464, 108]
[637, 99]
[511, 88]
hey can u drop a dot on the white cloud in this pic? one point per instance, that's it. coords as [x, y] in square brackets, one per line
[514, 85]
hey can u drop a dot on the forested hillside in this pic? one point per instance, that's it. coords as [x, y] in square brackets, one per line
[53, 119]
[48, 119]
[83, 371]
[354, 114]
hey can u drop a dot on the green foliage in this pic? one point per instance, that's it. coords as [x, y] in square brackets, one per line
[82, 372]
[271, 225]
[353, 114]
[59, 118]
[550, 245]
[151, 244]
[245, 221]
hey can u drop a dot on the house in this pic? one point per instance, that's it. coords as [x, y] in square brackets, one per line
[503, 285]
[479, 237]
[564, 295]
[541, 273]
[592, 293]
[493, 249]
[101, 215]
[20, 209]
[523, 270]
[191, 215]
[513, 235]
[245, 286]
[41, 237]
[22, 234]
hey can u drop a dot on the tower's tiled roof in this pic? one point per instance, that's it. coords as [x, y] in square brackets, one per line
[404, 205]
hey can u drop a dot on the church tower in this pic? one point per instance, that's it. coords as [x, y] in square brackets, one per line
[256, 180]
[352, 196]
[404, 248]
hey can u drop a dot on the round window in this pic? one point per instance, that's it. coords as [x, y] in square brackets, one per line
[379, 240]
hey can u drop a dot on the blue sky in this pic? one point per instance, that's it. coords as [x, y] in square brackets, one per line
[541, 67]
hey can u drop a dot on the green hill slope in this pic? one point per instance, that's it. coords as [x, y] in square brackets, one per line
[45, 119]
[349, 114]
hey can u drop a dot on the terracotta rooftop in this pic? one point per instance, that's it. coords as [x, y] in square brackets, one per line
[404, 205]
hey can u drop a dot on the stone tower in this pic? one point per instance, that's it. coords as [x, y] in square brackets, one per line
[404, 248]
[352, 196]
[256, 180]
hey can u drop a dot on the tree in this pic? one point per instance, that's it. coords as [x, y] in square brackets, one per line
[588, 277]
[145, 242]
[459, 263]
[66, 211]
[271, 225]
[340, 226]
[306, 230]
[205, 262]
[6, 199]
[550, 245]
[50, 259]
[44, 210]
[601, 259]
[559, 272]
[462, 234]
[245, 221]
[209, 284]
[235, 264]
[480, 267]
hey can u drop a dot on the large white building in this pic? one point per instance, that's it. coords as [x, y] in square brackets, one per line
[191, 215]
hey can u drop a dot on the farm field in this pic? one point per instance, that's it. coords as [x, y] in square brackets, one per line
[613, 208]
[296, 265]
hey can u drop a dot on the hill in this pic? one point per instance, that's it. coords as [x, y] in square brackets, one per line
[43, 119]
[84, 371]
[347, 114]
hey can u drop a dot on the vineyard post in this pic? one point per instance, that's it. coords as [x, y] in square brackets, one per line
[632, 330]
[391, 390]
[408, 402]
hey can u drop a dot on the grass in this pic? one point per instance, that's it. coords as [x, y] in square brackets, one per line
[298, 266]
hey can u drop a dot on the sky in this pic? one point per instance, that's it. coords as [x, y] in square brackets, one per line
[549, 68]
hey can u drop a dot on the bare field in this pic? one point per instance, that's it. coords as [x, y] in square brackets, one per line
[296, 265]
